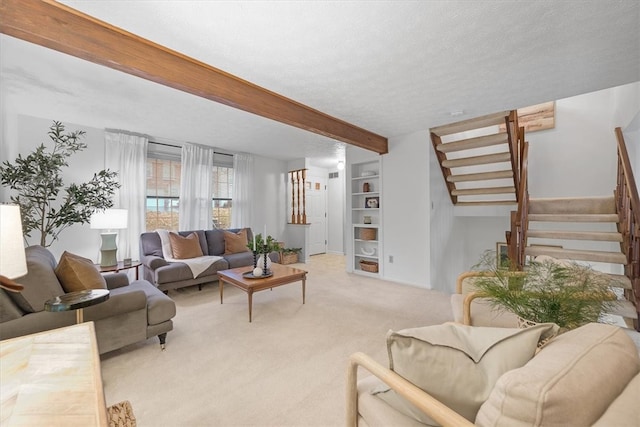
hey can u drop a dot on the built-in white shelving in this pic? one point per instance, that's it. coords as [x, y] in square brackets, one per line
[366, 216]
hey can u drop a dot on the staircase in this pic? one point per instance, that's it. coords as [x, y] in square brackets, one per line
[479, 162]
[482, 165]
[581, 229]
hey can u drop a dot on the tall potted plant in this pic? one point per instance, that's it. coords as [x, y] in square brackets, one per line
[46, 205]
[548, 291]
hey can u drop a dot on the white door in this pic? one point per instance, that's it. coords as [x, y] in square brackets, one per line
[316, 194]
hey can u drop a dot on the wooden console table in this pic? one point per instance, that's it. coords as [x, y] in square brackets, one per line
[52, 378]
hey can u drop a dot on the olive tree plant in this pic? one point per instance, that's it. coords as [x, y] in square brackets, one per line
[46, 205]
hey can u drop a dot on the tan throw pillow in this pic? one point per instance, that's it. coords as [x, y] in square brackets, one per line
[77, 273]
[185, 247]
[457, 364]
[571, 381]
[235, 242]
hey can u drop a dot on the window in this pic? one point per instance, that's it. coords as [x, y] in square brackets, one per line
[163, 191]
[222, 192]
[163, 194]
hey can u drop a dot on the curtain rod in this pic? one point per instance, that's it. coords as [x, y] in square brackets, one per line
[177, 146]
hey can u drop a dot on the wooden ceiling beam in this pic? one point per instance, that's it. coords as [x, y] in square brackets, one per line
[59, 27]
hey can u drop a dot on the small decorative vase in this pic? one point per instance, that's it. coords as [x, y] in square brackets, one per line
[365, 187]
[260, 262]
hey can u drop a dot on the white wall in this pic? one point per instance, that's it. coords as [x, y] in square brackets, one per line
[405, 209]
[268, 207]
[336, 213]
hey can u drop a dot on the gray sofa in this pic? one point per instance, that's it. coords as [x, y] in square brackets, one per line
[134, 311]
[173, 275]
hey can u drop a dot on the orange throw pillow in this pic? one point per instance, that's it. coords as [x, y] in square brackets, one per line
[185, 247]
[76, 273]
[235, 242]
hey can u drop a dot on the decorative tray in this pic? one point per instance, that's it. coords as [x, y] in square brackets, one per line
[249, 275]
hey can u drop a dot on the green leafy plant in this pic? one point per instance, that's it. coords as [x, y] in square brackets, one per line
[565, 293]
[272, 244]
[291, 250]
[37, 180]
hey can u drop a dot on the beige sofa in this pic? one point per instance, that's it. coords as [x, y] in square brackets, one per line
[587, 376]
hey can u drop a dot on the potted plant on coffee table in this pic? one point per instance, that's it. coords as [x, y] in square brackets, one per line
[547, 291]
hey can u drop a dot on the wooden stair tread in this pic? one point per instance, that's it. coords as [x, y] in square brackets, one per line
[573, 205]
[601, 236]
[475, 123]
[481, 191]
[488, 203]
[471, 143]
[619, 281]
[624, 308]
[573, 217]
[482, 176]
[577, 254]
[477, 160]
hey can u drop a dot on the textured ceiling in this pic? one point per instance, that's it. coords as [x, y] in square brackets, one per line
[391, 67]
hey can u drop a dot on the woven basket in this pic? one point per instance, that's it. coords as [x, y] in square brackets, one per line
[121, 415]
[288, 258]
[369, 266]
[368, 233]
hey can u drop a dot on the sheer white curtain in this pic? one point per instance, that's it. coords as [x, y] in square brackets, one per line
[127, 155]
[242, 190]
[196, 187]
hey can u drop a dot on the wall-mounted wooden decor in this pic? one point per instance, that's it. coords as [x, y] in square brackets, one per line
[536, 117]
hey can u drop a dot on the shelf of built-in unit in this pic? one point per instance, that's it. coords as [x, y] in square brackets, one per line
[369, 193]
[360, 178]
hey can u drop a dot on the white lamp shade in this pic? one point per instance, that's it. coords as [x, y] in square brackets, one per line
[110, 219]
[13, 263]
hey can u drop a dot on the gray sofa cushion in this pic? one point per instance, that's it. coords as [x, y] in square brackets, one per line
[40, 283]
[178, 271]
[240, 259]
[215, 242]
[160, 307]
[8, 309]
[150, 244]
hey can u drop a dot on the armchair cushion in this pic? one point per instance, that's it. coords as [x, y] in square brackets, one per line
[77, 273]
[571, 381]
[458, 365]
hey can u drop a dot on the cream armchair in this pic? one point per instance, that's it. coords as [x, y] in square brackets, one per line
[469, 308]
[358, 397]
[565, 383]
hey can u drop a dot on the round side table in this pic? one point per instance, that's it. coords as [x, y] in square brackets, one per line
[77, 301]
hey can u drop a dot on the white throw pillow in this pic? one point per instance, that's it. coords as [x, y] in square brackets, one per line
[458, 364]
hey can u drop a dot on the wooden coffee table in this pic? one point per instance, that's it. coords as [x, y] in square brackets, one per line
[282, 275]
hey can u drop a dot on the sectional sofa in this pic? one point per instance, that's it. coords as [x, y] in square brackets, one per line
[168, 275]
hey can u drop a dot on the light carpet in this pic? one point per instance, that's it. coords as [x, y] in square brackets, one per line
[286, 368]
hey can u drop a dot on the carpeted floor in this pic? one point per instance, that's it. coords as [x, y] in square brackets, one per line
[286, 368]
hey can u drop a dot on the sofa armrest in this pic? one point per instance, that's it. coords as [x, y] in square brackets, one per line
[418, 397]
[116, 280]
[152, 262]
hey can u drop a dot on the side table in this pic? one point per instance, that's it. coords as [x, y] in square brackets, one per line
[77, 301]
[120, 266]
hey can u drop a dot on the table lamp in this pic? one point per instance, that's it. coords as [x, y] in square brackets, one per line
[13, 262]
[109, 220]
